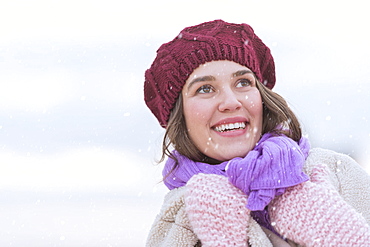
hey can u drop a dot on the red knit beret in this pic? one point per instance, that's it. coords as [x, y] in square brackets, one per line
[196, 45]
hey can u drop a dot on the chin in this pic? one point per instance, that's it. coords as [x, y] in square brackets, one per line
[233, 154]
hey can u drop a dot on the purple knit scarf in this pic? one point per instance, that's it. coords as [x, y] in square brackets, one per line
[273, 165]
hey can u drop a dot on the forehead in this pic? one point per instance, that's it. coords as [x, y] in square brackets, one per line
[217, 68]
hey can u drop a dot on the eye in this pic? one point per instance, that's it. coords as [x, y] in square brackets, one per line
[243, 83]
[205, 89]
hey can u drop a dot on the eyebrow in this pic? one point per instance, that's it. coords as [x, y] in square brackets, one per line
[200, 79]
[242, 72]
[212, 78]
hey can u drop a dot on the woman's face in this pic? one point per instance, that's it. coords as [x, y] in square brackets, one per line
[223, 109]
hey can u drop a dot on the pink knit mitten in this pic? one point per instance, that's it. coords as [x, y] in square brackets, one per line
[216, 211]
[314, 214]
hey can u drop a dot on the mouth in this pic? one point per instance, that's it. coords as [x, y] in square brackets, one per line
[230, 127]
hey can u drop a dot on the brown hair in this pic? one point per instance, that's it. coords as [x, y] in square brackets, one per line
[278, 118]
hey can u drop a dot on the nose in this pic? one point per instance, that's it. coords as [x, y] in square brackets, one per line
[229, 101]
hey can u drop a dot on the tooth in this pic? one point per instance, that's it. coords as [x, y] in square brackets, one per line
[230, 126]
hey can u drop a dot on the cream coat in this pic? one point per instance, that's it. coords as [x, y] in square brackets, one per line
[172, 228]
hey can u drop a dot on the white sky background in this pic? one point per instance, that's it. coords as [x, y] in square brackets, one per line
[77, 143]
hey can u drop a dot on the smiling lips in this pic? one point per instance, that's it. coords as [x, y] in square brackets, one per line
[229, 127]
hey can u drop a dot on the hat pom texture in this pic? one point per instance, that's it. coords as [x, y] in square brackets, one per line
[196, 45]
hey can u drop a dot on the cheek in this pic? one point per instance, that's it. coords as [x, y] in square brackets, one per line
[196, 119]
[254, 103]
[195, 112]
[255, 109]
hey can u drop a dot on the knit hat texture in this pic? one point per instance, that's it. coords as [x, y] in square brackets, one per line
[196, 45]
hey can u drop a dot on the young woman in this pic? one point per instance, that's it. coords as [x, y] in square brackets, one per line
[241, 174]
